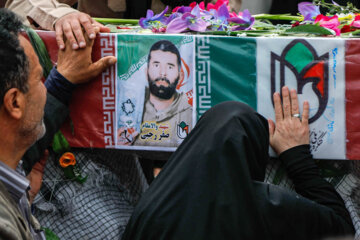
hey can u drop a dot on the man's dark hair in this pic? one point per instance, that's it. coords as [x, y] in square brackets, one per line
[14, 65]
[165, 46]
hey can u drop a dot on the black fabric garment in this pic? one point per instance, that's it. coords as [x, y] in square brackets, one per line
[304, 173]
[147, 166]
[211, 188]
[321, 214]
[136, 9]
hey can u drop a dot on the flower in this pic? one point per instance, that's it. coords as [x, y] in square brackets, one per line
[175, 9]
[217, 5]
[71, 171]
[219, 18]
[67, 159]
[146, 22]
[356, 22]
[347, 28]
[172, 17]
[233, 14]
[187, 21]
[295, 24]
[223, 12]
[182, 9]
[159, 30]
[216, 17]
[308, 10]
[329, 22]
[201, 5]
[244, 19]
[118, 27]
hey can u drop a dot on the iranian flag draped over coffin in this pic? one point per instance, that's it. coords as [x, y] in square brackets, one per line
[215, 69]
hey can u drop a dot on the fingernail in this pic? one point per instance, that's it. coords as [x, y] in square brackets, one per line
[112, 61]
[61, 46]
[82, 44]
[75, 46]
[92, 36]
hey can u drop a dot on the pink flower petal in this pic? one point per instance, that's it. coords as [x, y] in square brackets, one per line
[199, 26]
[177, 25]
[355, 24]
[202, 5]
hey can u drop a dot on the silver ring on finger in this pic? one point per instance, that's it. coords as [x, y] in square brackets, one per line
[296, 115]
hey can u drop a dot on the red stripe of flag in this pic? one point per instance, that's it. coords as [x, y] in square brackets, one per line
[352, 98]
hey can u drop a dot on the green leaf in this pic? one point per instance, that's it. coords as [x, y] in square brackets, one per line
[69, 172]
[310, 29]
[117, 21]
[81, 179]
[73, 173]
[263, 25]
[286, 17]
[60, 144]
[40, 50]
[351, 34]
[50, 235]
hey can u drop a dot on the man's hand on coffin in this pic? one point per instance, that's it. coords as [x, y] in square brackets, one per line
[77, 65]
[290, 130]
[71, 27]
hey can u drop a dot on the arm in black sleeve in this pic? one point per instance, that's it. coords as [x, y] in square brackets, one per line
[56, 111]
[305, 175]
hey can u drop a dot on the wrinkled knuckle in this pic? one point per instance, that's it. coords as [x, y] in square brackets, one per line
[85, 20]
[67, 30]
[76, 26]
[71, 18]
[83, 16]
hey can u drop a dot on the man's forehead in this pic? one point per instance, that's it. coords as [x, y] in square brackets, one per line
[30, 53]
[25, 44]
[161, 55]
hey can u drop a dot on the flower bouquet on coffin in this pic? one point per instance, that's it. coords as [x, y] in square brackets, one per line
[195, 18]
[216, 19]
[339, 21]
[67, 161]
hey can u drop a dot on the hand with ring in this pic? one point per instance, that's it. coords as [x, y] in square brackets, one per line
[290, 129]
[296, 115]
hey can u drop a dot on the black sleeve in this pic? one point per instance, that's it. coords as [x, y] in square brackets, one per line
[305, 175]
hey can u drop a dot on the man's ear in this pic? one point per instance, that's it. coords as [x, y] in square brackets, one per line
[14, 103]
